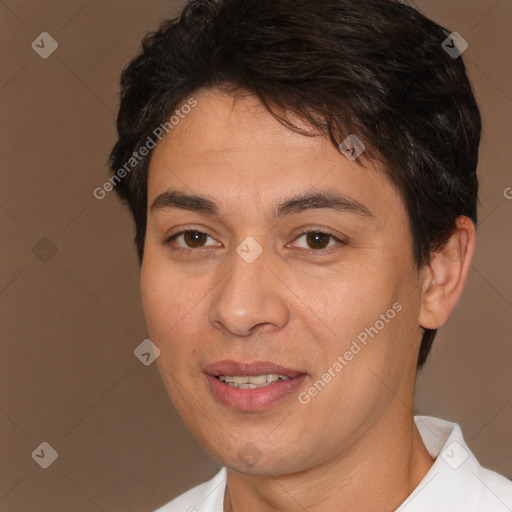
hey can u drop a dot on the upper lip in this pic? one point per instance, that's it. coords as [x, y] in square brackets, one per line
[247, 369]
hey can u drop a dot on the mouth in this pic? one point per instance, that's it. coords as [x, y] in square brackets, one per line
[249, 369]
[251, 386]
[251, 382]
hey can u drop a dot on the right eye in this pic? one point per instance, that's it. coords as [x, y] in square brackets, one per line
[190, 239]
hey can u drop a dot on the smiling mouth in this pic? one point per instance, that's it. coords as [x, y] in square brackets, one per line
[251, 386]
[254, 369]
[252, 381]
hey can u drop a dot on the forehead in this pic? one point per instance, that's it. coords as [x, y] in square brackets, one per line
[226, 148]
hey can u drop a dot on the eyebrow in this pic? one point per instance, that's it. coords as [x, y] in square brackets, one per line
[293, 205]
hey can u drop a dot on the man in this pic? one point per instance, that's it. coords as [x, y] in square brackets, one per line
[302, 177]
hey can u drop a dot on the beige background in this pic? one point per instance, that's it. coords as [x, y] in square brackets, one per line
[68, 326]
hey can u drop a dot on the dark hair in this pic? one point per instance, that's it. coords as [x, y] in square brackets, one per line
[372, 68]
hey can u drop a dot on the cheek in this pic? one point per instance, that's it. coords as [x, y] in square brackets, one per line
[154, 296]
[351, 315]
[163, 298]
[345, 302]
[173, 307]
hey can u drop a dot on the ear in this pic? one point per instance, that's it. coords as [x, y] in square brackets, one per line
[444, 277]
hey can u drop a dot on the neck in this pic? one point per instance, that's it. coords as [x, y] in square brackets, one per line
[376, 474]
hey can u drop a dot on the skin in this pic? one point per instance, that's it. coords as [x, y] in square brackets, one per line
[355, 443]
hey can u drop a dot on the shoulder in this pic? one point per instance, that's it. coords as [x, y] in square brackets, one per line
[456, 481]
[494, 490]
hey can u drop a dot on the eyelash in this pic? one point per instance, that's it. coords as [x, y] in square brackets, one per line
[167, 241]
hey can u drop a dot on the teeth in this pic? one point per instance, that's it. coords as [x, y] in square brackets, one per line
[253, 381]
[241, 380]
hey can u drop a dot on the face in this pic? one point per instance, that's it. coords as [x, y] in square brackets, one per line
[290, 259]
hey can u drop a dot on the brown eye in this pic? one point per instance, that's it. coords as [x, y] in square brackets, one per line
[317, 240]
[194, 238]
[189, 239]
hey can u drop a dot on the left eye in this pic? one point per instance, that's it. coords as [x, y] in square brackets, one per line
[318, 240]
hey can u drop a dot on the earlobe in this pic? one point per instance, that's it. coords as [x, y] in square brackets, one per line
[445, 275]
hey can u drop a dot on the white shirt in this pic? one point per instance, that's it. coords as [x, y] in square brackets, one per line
[456, 482]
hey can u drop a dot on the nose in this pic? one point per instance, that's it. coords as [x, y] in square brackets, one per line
[250, 298]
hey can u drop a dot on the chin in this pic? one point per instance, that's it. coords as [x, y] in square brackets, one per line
[250, 460]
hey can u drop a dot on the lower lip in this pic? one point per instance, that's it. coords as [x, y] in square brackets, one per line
[255, 399]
